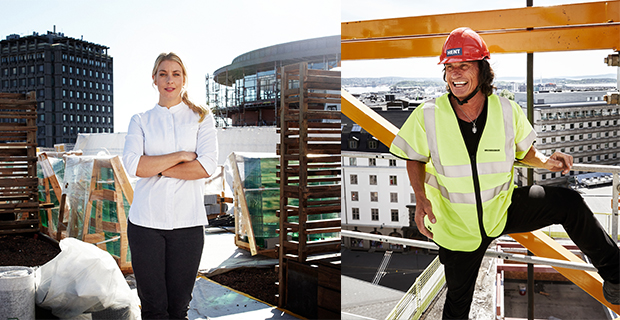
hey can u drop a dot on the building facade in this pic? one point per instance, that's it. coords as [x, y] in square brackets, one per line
[375, 193]
[72, 78]
[579, 123]
[377, 196]
[247, 92]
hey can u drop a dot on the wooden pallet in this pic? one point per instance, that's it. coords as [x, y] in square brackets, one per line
[19, 204]
[310, 166]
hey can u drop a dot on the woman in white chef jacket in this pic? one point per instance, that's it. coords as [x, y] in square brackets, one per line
[172, 148]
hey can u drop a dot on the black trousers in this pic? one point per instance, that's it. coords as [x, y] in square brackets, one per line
[165, 264]
[532, 208]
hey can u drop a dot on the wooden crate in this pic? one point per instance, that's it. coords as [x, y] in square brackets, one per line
[19, 204]
[310, 168]
[313, 288]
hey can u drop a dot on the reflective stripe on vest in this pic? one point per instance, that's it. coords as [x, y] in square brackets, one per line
[408, 151]
[458, 171]
[527, 142]
[466, 198]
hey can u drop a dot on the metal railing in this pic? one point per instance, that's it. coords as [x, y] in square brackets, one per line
[615, 171]
[421, 293]
[489, 253]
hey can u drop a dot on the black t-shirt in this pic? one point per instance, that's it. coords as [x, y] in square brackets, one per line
[472, 140]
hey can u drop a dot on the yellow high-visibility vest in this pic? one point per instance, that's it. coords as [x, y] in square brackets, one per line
[432, 135]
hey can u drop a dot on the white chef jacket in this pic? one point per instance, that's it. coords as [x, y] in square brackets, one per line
[164, 202]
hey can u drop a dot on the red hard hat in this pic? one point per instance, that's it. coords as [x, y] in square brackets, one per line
[463, 44]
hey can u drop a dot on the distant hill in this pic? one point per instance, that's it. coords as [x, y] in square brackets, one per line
[608, 75]
[409, 82]
[557, 79]
[385, 81]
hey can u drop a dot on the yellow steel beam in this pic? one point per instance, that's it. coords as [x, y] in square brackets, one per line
[371, 121]
[583, 38]
[543, 246]
[519, 18]
[584, 26]
[537, 242]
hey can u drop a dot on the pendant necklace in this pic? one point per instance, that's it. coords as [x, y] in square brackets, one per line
[473, 129]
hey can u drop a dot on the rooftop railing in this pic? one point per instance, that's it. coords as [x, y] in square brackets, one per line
[615, 171]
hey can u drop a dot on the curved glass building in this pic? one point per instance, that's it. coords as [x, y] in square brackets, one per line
[246, 92]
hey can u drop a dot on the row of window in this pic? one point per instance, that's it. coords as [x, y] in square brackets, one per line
[582, 159]
[84, 72]
[85, 95]
[66, 57]
[597, 158]
[92, 85]
[14, 71]
[15, 83]
[374, 214]
[581, 113]
[22, 57]
[372, 143]
[374, 196]
[85, 119]
[601, 146]
[84, 107]
[373, 179]
[591, 124]
[74, 130]
[372, 162]
[588, 136]
[78, 118]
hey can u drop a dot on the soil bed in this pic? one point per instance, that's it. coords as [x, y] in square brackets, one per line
[28, 250]
[259, 283]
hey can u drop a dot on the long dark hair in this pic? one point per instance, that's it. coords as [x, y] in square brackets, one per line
[486, 77]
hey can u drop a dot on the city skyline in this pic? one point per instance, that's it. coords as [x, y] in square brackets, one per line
[546, 65]
[206, 34]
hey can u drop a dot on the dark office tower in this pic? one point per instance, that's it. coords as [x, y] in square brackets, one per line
[72, 78]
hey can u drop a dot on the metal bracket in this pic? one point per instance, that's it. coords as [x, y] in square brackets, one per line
[612, 60]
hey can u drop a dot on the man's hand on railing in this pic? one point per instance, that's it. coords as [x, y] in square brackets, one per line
[559, 162]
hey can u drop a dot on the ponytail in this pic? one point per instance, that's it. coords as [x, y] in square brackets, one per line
[200, 110]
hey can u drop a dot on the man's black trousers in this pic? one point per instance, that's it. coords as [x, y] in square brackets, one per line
[532, 208]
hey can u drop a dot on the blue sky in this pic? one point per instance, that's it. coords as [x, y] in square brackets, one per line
[576, 63]
[207, 34]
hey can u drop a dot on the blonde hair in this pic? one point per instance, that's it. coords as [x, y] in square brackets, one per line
[200, 110]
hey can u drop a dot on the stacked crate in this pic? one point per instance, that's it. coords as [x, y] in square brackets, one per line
[19, 204]
[310, 191]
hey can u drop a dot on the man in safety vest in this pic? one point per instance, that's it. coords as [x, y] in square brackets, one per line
[463, 146]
